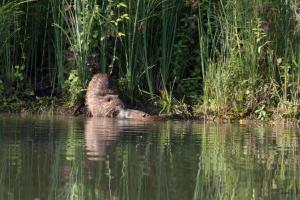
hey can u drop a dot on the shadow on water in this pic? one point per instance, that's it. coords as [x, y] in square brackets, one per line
[68, 158]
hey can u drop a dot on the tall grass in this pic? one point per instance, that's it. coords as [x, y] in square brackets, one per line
[252, 66]
[237, 58]
[57, 7]
[138, 45]
[169, 25]
[8, 13]
[79, 17]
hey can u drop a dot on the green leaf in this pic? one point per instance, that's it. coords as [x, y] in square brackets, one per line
[122, 4]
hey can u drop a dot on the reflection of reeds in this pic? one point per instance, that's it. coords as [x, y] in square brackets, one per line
[3, 169]
[172, 160]
[55, 173]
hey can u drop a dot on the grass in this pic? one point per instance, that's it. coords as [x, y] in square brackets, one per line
[229, 58]
[245, 73]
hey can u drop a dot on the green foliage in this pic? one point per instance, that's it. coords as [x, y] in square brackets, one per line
[232, 58]
[262, 114]
[11, 104]
[42, 105]
[1, 87]
[18, 75]
[79, 18]
[186, 60]
[7, 11]
[247, 75]
[170, 106]
[75, 90]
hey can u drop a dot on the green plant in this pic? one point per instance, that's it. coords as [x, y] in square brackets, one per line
[261, 113]
[57, 7]
[169, 105]
[75, 90]
[18, 75]
[1, 87]
[79, 18]
[169, 28]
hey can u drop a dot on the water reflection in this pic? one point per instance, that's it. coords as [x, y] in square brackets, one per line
[67, 158]
[99, 133]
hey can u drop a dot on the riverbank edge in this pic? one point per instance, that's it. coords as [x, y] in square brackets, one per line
[61, 108]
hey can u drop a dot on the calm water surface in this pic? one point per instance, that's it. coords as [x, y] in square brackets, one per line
[72, 158]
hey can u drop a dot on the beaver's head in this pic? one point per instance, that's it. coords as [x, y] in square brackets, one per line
[110, 105]
[136, 114]
[131, 114]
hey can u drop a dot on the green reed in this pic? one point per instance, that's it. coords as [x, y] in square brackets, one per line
[148, 46]
[244, 55]
[79, 17]
[57, 8]
[247, 49]
[169, 24]
[8, 13]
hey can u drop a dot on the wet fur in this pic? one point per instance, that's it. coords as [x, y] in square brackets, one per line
[100, 97]
[102, 101]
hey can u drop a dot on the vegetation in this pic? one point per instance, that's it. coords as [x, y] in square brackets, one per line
[228, 58]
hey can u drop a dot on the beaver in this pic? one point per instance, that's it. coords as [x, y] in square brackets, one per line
[101, 98]
[102, 101]
[106, 106]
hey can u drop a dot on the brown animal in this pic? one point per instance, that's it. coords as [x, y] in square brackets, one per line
[102, 101]
[100, 97]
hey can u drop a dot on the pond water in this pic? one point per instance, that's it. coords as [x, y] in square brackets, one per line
[76, 158]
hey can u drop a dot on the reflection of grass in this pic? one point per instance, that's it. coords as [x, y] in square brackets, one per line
[176, 160]
[55, 173]
[3, 168]
[75, 185]
[234, 166]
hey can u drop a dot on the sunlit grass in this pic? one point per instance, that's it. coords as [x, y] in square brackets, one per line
[243, 56]
[253, 65]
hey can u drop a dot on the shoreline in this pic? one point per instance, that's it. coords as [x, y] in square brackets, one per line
[65, 112]
[53, 106]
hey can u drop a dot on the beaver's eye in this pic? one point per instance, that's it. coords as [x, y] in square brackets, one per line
[108, 99]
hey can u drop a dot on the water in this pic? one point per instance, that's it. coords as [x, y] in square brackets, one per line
[74, 158]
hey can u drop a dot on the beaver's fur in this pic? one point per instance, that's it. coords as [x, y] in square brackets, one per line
[106, 106]
[101, 85]
[101, 99]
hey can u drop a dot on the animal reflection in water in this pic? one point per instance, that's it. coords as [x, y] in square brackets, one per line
[101, 133]
[102, 101]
